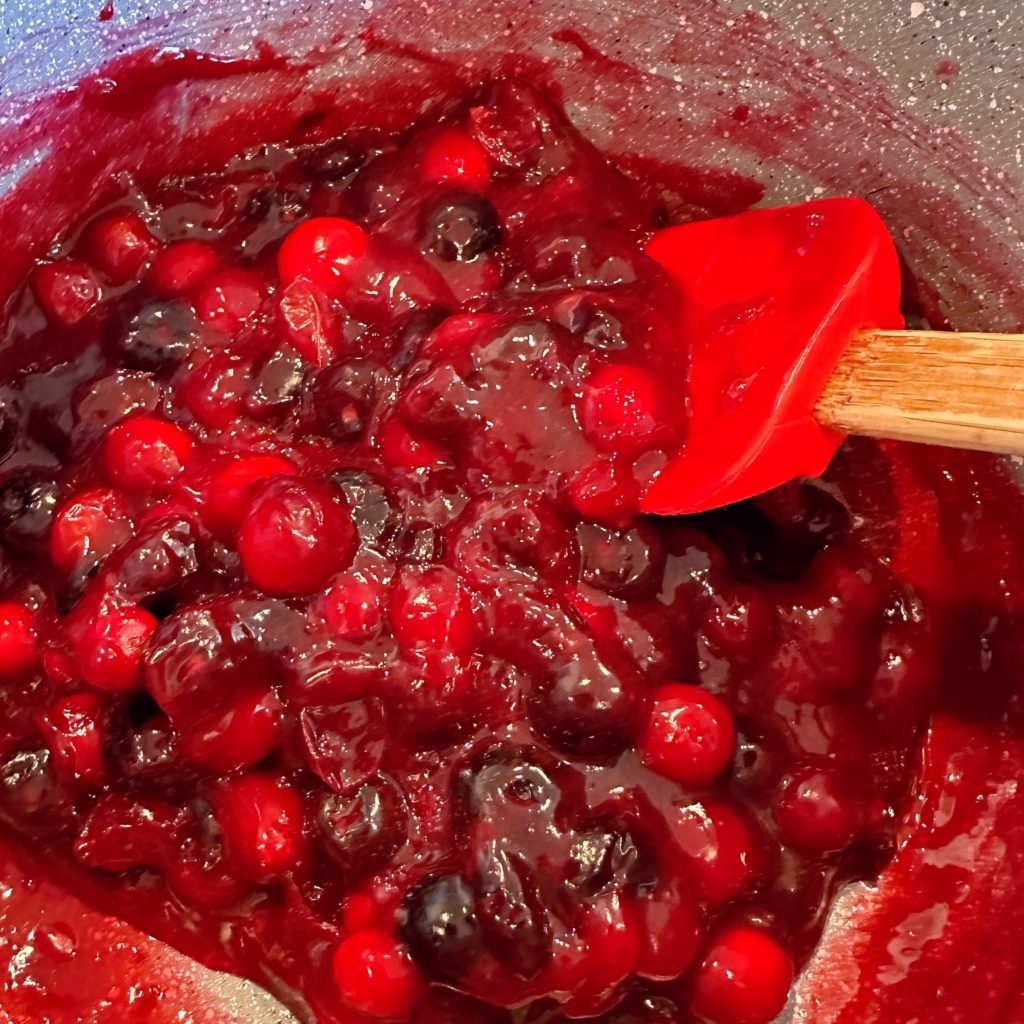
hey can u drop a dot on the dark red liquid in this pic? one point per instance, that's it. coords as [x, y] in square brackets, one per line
[393, 682]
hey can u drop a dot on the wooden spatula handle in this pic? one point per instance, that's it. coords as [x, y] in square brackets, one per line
[961, 390]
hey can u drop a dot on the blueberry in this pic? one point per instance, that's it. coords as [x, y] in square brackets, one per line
[459, 227]
[27, 505]
[440, 925]
[333, 161]
[159, 336]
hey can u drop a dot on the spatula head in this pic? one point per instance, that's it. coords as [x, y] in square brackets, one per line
[769, 300]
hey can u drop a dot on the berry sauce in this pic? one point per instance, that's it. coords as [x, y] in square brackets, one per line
[334, 650]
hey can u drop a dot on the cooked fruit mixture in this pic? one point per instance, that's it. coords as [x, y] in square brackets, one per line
[333, 648]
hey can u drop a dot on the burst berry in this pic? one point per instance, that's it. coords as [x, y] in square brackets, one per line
[690, 736]
[231, 300]
[324, 251]
[376, 976]
[229, 489]
[744, 979]
[67, 290]
[261, 821]
[180, 268]
[309, 322]
[623, 409]
[18, 638]
[88, 528]
[120, 245]
[452, 157]
[294, 536]
[146, 453]
[110, 650]
[75, 732]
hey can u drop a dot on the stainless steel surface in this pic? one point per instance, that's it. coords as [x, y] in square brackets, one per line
[918, 104]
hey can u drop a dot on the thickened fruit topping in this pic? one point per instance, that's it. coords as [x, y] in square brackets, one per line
[333, 648]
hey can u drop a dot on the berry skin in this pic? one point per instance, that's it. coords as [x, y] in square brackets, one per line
[720, 846]
[690, 736]
[261, 820]
[623, 409]
[180, 268]
[376, 976]
[146, 453]
[431, 612]
[225, 500]
[453, 158]
[605, 492]
[230, 300]
[67, 290]
[323, 251]
[744, 978]
[309, 322]
[18, 638]
[294, 536]
[88, 528]
[110, 650]
[120, 245]
[74, 730]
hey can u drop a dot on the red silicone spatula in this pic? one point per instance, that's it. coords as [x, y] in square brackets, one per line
[791, 316]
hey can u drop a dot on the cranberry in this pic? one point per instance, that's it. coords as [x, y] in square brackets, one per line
[88, 528]
[28, 502]
[459, 227]
[623, 409]
[362, 832]
[455, 158]
[743, 979]
[231, 300]
[18, 638]
[402, 450]
[181, 267]
[261, 821]
[122, 832]
[228, 491]
[116, 396]
[344, 744]
[721, 847]
[605, 492]
[352, 607]
[234, 733]
[110, 651]
[325, 251]
[295, 535]
[309, 322]
[431, 612]
[376, 976]
[74, 728]
[145, 453]
[159, 557]
[215, 390]
[119, 244]
[690, 736]
[817, 812]
[67, 291]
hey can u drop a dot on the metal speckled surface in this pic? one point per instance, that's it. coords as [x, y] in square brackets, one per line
[918, 104]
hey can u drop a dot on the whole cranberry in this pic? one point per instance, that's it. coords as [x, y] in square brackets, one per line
[110, 650]
[744, 978]
[690, 736]
[229, 489]
[231, 300]
[18, 638]
[817, 811]
[430, 611]
[119, 244]
[325, 251]
[376, 976]
[261, 820]
[75, 730]
[181, 267]
[88, 528]
[295, 535]
[67, 291]
[454, 157]
[146, 453]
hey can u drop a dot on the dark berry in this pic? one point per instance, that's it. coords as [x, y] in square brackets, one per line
[460, 226]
